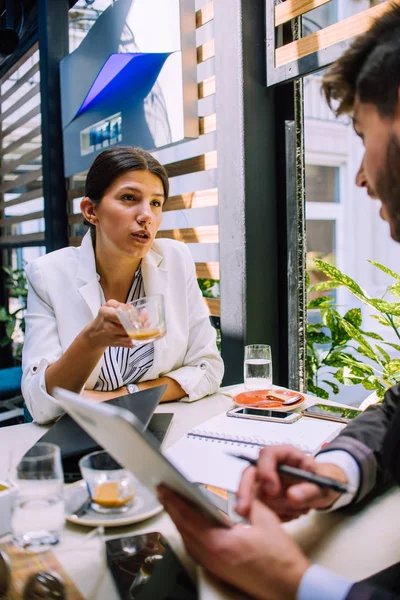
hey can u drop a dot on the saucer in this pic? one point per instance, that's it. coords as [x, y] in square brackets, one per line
[144, 506]
[259, 399]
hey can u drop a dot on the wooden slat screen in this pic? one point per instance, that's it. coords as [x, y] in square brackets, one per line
[343, 30]
[21, 194]
[192, 175]
[289, 60]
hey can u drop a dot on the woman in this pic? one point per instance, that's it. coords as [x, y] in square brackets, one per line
[73, 336]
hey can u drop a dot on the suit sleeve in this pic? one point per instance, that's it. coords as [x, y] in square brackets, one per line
[41, 348]
[203, 369]
[365, 591]
[364, 439]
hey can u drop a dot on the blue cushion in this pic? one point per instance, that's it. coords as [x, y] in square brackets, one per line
[10, 382]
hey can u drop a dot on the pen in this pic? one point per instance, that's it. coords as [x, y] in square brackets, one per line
[324, 482]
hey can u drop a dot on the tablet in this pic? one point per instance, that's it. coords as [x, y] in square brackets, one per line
[120, 433]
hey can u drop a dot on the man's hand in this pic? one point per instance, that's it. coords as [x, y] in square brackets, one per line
[261, 560]
[284, 494]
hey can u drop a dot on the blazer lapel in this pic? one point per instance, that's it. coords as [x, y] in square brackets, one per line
[88, 284]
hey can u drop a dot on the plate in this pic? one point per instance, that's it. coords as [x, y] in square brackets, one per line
[259, 399]
[145, 505]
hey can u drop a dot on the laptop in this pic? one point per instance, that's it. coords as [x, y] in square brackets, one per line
[121, 434]
[74, 442]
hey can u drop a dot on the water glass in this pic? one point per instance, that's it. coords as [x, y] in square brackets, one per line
[110, 486]
[144, 319]
[38, 513]
[257, 367]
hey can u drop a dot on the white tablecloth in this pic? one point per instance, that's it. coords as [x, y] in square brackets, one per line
[355, 546]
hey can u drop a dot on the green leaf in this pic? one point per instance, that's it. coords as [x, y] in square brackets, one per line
[340, 277]
[372, 335]
[307, 280]
[394, 289]
[10, 326]
[317, 302]
[371, 383]
[354, 317]
[314, 327]
[358, 337]
[395, 346]
[319, 338]
[4, 315]
[381, 392]
[385, 269]
[382, 320]
[385, 355]
[337, 359]
[324, 286]
[389, 308]
[344, 376]
[318, 391]
[392, 369]
[334, 387]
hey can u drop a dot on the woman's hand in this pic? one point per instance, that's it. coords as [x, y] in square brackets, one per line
[106, 329]
[283, 494]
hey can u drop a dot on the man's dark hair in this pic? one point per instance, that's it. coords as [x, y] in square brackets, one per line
[370, 68]
[116, 161]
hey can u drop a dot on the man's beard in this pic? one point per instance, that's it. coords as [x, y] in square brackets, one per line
[388, 186]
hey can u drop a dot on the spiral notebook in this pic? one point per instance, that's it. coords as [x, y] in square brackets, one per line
[203, 454]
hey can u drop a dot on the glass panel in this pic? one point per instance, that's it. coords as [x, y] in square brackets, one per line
[322, 183]
[320, 17]
[343, 229]
[82, 17]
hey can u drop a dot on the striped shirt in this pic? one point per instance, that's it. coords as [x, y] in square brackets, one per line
[122, 366]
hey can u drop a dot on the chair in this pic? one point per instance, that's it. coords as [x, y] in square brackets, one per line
[11, 400]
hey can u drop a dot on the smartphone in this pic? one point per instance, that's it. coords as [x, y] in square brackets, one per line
[264, 415]
[145, 567]
[331, 413]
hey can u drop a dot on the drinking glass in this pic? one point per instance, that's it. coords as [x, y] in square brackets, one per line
[144, 319]
[257, 367]
[38, 514]
[110, 486]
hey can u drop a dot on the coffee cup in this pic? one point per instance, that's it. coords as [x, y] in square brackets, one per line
[111, 487]
[7, 497]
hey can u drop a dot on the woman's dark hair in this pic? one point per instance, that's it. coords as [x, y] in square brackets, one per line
[116, 161]
[370, 68]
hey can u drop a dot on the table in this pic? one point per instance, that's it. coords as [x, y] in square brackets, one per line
[354, 546]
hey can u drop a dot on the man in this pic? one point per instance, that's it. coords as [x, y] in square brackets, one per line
[262, 560]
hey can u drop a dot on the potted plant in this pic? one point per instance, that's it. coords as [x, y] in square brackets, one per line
[12, 314]
[338, 348]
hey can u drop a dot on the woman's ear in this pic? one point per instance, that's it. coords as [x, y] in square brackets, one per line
[88, 210]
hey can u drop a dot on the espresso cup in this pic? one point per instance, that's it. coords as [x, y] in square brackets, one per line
[7, 496]
[111, 487]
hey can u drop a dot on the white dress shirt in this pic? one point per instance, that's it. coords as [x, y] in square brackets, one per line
[319, 582]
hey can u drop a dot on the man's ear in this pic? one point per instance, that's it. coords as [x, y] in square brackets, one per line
[88, 210]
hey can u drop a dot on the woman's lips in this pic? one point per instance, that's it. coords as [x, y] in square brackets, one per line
[141, 239]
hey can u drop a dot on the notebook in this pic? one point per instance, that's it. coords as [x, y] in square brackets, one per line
[203, 454]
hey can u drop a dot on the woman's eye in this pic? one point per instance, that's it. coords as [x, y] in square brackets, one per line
[156, 203]
[128, 197]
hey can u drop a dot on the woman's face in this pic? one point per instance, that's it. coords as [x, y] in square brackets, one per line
[129, 214]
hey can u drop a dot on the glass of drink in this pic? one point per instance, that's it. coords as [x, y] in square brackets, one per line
[257, 367]
[38, 513]
[111, 487]
[144, 319]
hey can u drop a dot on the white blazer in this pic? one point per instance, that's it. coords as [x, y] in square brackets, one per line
[64, 296]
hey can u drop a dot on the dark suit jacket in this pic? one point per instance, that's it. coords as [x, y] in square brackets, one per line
[373, 439]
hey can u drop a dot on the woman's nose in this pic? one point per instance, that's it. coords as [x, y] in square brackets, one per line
[144, 213]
